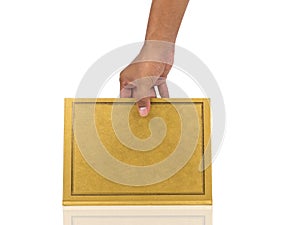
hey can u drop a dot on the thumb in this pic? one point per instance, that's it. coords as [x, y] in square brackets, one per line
[144, 106]
[142, 92]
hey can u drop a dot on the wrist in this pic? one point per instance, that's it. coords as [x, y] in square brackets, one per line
[161, 36]
[158, 51]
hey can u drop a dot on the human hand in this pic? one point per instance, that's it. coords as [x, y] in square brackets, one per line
[149, 69]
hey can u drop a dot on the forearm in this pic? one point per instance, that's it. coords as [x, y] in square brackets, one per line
[165, 19]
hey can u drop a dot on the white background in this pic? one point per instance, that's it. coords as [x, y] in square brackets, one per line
[252, 48]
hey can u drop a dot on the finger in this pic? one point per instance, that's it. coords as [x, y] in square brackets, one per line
[138, 93]
[122, 83]
[143, 98]
[126, 89]
[126, 93]
[163, 90]
[162, 87]
[143, 91]
[144, 106]
[152, 93]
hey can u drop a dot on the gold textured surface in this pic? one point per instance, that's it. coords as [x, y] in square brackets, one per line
[84, 186]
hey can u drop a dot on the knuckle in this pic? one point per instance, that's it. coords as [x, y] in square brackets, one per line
[142, 102]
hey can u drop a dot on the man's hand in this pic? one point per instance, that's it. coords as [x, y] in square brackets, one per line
[138, 80]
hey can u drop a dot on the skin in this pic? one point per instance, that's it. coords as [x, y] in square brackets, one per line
[154, 62]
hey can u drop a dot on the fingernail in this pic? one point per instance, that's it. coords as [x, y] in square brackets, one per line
[143, 111]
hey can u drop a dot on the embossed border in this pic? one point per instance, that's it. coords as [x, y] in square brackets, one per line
[71, 198]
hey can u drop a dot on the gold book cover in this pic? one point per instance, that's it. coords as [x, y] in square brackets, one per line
[112, 156]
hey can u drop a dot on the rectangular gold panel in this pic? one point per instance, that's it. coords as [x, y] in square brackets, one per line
[126, 172]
